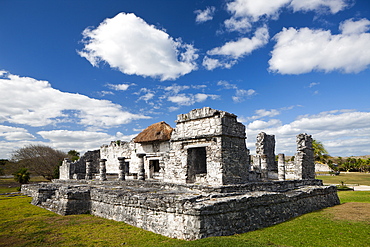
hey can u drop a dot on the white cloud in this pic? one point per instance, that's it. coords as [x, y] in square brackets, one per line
[205, 15]
[242, 25]
[260, 125]
[133, 46]
[242, 94]
[103, 93]
[243, 46]
[255, 9]
[305, 50]
[118, 87]
[200, 97]
[312, 84]
[354, 27]
[190, 99]
[334, 6]
[181, 99]
[71, 140]
[227, 85]
[265, 113]
[343, 132]
[35, 103]
[147, 96]
[211, 63]
[15, 134]
[245, 12]
[173, 108]
[176, 88]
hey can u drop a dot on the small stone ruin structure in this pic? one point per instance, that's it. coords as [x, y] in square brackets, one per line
[194, 181]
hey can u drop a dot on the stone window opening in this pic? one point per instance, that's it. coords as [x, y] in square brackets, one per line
[196, 163]
[154, 168]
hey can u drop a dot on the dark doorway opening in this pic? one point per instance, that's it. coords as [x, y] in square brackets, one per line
[154, 168]
[196, 163]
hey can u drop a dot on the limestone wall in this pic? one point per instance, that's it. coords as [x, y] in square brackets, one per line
[129, 150]
[185, 212]
[223, 139]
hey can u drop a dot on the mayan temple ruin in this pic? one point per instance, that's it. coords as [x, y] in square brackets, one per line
[194, 181]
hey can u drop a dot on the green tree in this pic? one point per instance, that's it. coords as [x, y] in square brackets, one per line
[22, 176]
[319, 151]
[73, 155]
[3, 162]
[39, 159]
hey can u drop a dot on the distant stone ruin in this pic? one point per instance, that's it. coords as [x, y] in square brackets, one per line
[195, 181]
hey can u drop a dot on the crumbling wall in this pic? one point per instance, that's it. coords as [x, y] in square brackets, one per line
[186, 212]
[224, 141]
[114, 150]
[77, 169]
[264, 161]
[303, 166]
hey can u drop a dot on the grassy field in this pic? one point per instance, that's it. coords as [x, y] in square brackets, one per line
[8, 185]
[22, 224]
[347, 178]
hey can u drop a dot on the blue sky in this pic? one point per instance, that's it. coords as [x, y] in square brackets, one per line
[79, 74]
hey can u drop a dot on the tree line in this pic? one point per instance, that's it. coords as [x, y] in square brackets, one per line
[350, 164]
[38, 160]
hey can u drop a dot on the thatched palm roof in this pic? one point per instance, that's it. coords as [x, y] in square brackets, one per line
[156, 132]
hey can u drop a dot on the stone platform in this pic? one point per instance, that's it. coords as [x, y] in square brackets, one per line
[185, 211]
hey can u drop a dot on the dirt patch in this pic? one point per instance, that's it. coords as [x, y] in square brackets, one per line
[351, 211]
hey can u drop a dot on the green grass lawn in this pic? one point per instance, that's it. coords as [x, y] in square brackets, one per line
[347, 178]
[8, 185]
[22, 224]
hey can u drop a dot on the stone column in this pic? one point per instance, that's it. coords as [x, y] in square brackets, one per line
[88, 170]
[264, 167]
[141, 175]
[103, 170]
[281, 167]
[304, 158]
[121, 172]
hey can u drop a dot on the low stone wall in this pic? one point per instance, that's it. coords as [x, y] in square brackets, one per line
[186, 212]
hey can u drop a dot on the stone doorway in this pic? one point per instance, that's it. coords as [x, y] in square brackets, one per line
[196, 163]
[154, 168]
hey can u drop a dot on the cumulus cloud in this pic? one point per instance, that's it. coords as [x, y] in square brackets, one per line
[204, 15]
[211, 63]
[255, 9]
[92, 140]
[333, 6]
[242, 25]
[245, 12]
[128, 43]
[343, 132]
[299, 51]
[351, 26]
[230, 52]
[35, 103]
[15, 134]
[243, 46]
[147, 96]
[118, 87]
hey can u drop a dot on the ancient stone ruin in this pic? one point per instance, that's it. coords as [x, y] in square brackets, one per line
[194, 181]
